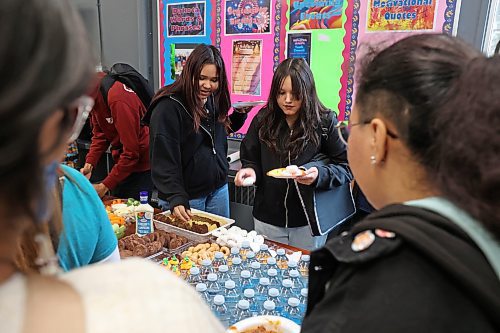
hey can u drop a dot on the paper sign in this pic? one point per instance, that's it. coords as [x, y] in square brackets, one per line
[186, 19]
[315, 14]
[299, 46]
[403, 15]
[248, 17]
[246, 67]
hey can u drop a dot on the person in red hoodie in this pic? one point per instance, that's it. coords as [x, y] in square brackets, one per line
[118, 123]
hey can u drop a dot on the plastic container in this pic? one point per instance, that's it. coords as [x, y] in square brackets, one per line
[224, 223]
[144, 216]
[201, 288]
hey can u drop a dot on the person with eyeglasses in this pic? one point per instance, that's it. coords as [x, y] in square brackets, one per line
[292, 129]
[424, 147]
[46, 66]
[116, 123]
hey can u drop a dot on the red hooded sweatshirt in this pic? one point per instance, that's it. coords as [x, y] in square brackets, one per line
[119, 125]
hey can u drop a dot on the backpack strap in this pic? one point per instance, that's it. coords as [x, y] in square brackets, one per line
[106, 84]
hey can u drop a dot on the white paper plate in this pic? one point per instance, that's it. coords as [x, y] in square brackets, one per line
[245, 104]
[278, 324]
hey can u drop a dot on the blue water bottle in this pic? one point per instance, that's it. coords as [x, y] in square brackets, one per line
[256, 272]
[263, 254]
[296, 281]
[304, 265]
[287, 289]
[242, 311]
[292, 265]
[281, 259]
[223, 275]
[303, 300]
[274, 280]
[201, 288]
[194, 276]
[235, 253]
[262, 289]
[213, 287]
[218, 259]
[269, 309]
[274, 295]
[245, 280]
[206, 268]
[249, 295]
[249, 260]
[235, 269]
[231, 295]
[271, 263]
[292, 310]
[220, 309]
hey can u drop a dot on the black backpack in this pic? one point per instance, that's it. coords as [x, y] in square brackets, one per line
[127, 75]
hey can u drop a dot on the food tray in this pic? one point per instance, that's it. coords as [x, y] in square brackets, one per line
[224, 221]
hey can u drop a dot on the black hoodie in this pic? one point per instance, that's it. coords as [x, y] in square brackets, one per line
[430, 277]
[186, 164]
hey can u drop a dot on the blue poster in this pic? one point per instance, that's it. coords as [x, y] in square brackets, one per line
[248, 17]
[299, 46]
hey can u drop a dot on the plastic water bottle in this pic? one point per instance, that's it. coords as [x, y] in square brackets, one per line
[303, 300]
[269, 309]
[245, 280]
[235, 253]
[249, 295]
[218, 259]
[249, 260]
[194, 276]
[213, 287]
[281, 259]
[271, 263]
[292, 310]
[274, 280]
[263, 254]
[274, 295]
[206, 268]
[286, 289]
[262, 289]
[201, 288]
[231, 295]
[223, 275]
[256, 272]
[235, 269]
[242, 311]
[291, 266]
[304, 265]
[297, 283]
[245, 247]
[220, 309]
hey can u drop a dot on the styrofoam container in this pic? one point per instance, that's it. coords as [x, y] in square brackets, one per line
[224, 222]
[271, 323]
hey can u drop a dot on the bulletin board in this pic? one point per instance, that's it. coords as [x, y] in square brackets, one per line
[254, 36]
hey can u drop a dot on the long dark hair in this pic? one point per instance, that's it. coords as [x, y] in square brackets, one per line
[45, 65]
[273, 120]
[441, 96]
[187, 84]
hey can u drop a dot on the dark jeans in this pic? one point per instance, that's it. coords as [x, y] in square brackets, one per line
[133, 184]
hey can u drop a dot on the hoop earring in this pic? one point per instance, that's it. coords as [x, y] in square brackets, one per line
[373, 160]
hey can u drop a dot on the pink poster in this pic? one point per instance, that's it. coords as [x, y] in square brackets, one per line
[249, 73]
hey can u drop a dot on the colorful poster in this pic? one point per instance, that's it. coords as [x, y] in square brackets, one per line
[299, 46]
[180, 54]
[315, 14]
[248, 17]
[402, 15]
[246, 67]
[186, 19]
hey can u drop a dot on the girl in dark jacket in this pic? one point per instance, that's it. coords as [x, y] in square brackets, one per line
[189, 123]
[424, 148]
[288, 131]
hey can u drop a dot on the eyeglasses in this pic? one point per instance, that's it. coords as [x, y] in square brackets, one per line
[81, 108]
[344, 129]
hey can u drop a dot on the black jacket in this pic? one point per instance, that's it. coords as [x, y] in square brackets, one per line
[186, 164]
[276, 200]
[430, 277]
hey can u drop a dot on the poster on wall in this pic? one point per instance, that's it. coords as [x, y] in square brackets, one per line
[403, 15]
[299, 46]
[246, 67]
[186, 19]
[315, 14]
[247, 17]
[179, 57]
